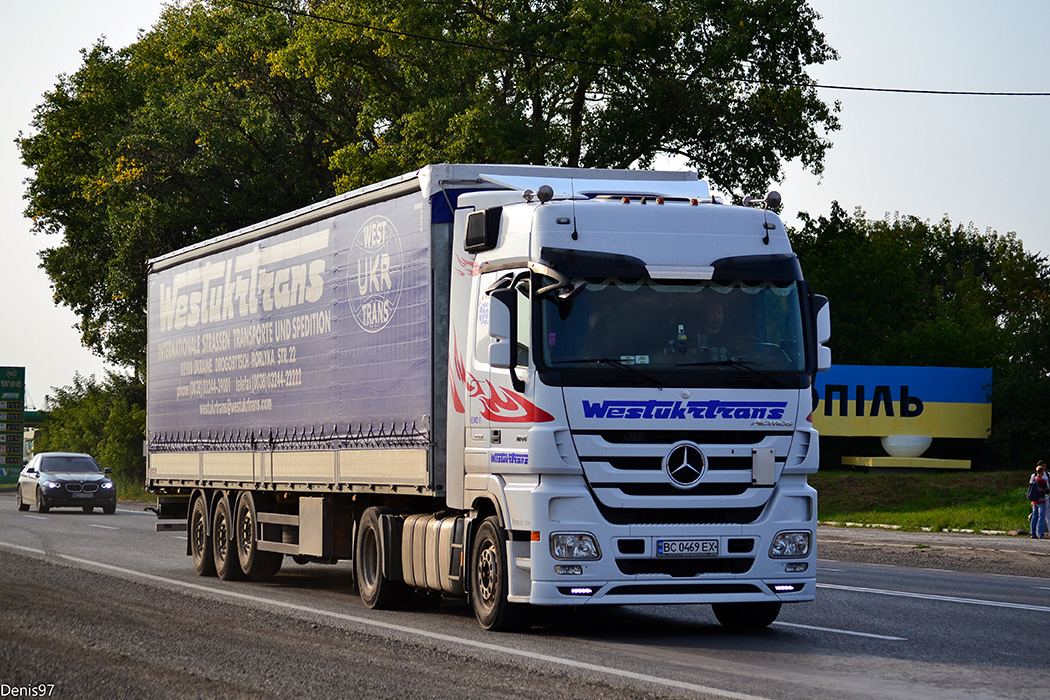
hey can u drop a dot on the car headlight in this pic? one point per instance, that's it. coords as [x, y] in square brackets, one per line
[575, 546]
[50, 484]
[107, 484]
[790, 545]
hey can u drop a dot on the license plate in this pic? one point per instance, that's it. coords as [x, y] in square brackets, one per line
[83, 495]
[687, 548]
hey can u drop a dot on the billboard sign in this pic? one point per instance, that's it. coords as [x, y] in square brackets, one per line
[879, 401]
[12, 422]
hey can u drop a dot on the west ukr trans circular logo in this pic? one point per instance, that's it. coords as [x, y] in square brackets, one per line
[375, 274]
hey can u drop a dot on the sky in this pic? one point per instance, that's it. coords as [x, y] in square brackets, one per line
[979, 160]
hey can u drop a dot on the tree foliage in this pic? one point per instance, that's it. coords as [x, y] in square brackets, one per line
[906, 291]
[106, 420]
[227, 113]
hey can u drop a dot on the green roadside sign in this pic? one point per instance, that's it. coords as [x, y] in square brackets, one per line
[12, 422]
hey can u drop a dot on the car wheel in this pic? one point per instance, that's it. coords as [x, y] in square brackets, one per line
[223, 547]
[22, 505]
[200, 541]
[376, 590]
[255, 563]
[489, 583]
[109, 510]
[41, 506]
[746, 616]
[88, 509]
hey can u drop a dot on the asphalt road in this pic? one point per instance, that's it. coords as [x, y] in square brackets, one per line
[102, 606]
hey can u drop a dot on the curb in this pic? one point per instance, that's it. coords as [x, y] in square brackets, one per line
[879, 526]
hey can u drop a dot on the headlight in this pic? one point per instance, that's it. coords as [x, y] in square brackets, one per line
[790, 545]
[575, 546]
[107, 484]
[50, 484]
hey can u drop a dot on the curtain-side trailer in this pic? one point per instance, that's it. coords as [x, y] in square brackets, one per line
[516, 385]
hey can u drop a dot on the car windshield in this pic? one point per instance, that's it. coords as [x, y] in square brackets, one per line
[69, 464]
[684, 327]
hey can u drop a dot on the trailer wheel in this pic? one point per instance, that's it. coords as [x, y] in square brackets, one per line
[746, 616]
[223, 544]
[377, 591]
[200, 543]
[255, 563]
[489, 583]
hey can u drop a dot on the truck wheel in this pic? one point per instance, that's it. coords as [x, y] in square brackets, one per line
[223, 548]
[200, 543]
[255, 563]
[746, 616]
[489, 583]
[377, 591]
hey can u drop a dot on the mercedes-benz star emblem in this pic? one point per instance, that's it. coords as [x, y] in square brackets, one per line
[685, 465]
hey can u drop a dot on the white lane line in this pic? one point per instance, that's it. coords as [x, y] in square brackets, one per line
[869, 635]
[486, 645]
[942, 598]
[104, 527]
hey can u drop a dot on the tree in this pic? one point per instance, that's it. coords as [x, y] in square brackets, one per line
[227, 113]
[106, 420]
[908, 292]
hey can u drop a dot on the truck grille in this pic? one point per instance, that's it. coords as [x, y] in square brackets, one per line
[625, 471]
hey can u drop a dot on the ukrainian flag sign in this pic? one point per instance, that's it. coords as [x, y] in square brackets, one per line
[877, 401]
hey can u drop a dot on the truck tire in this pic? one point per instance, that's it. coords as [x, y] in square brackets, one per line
[376, 590]
[489, 582]
[255, 563]
[200, 542]
[223, 545]
[746, 616]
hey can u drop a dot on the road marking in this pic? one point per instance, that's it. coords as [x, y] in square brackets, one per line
[837, 631]
[942, 598]
[36, 517]
[486, 645]
[104, 527]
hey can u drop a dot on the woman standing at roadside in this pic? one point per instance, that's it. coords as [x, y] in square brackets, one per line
[1039, 489]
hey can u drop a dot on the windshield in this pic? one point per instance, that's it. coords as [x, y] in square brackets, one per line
[69, 465]
[685, 327]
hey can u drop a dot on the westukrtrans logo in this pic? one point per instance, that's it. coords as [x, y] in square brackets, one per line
[375, 274]
[682, 410]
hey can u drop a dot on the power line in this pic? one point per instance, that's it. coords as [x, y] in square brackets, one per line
[623, 67]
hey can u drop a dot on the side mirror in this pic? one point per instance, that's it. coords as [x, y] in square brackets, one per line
[107, 470]
[502, 326]
[823, 332]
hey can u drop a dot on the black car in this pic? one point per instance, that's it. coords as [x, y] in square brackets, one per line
[65, 479]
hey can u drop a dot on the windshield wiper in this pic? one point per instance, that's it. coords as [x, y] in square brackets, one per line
[613, 363]
[739, 364]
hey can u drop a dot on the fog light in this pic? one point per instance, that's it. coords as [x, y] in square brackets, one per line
[583, 590]
[574, 546]
[574, 569]
[787, 587]
[796, 567]
[790, 545]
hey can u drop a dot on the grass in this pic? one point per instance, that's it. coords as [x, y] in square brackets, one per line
[939, 501]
